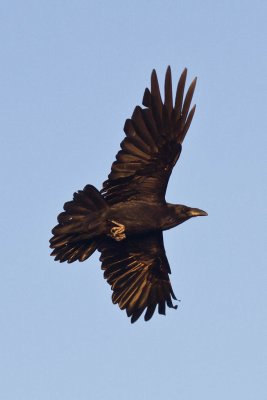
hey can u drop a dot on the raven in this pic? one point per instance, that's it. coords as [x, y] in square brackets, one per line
[125, 220]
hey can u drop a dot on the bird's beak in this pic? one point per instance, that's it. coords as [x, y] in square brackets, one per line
[196, 212]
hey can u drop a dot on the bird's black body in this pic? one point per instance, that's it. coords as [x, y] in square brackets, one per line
[141, 217]
[126, 219]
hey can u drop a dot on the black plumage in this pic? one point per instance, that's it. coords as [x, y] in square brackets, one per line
[125, 220]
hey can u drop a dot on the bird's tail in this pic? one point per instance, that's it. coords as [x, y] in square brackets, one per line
[80, 226]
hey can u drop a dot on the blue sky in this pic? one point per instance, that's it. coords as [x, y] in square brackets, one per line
[71, 73]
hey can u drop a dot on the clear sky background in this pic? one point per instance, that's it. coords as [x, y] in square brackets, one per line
[71, 73]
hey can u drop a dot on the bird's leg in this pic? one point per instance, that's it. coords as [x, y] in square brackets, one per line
[117, 231]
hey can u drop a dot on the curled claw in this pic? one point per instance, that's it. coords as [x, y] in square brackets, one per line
[117, 232]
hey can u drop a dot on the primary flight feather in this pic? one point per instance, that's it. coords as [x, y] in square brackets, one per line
[125, 220]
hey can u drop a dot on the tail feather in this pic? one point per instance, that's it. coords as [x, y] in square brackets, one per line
[75, 251]
[78, 232]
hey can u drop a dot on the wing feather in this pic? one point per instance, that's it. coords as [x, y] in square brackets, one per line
[180, 93]
[140, 129]
[168, 91]
[138, 273]
[156, 98]
[152, 144]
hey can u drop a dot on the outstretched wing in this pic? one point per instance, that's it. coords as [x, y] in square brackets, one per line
[138, 271]
[152, 144]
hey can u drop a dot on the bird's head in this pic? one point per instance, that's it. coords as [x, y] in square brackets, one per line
[183, 213]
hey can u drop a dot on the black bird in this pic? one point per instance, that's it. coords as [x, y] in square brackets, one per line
[125, 220]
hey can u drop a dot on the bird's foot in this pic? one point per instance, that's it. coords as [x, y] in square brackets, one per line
[117, 231]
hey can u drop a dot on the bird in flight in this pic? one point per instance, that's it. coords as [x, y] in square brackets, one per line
[125, 220]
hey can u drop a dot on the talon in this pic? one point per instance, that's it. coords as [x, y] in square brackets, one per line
[117, 232]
